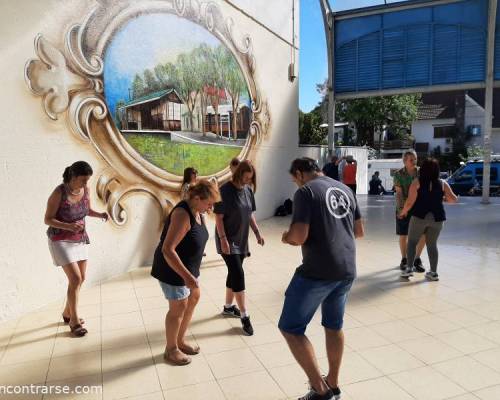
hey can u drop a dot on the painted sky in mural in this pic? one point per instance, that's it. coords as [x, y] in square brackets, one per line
[176, 93]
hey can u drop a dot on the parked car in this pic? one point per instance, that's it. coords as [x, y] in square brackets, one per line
[468, 179]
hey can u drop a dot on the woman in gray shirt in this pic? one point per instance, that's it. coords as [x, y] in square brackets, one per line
[234, 216]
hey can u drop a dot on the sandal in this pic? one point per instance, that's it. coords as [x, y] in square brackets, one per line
[190, 350]
[78, 330]
[66, 320]
[167, 356]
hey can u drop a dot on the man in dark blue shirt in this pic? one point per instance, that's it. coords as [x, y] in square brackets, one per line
[325, 222]
[331, 169]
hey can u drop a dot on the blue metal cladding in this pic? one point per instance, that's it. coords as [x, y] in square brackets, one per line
[433, 45]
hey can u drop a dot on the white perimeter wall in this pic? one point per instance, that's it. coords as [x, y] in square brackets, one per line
[360, 154]
[35, 150]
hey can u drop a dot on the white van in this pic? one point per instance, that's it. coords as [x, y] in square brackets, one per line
[386, 168]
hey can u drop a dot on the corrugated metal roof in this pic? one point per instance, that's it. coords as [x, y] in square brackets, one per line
[431, 45]
[431, 111]
[148, 97]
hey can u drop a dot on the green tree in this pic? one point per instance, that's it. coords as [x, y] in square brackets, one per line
[373, 114]
[309, 127]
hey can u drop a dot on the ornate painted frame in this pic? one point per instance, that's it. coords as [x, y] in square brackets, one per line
[71, 80]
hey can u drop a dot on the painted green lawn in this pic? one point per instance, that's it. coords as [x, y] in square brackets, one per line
[174, 157]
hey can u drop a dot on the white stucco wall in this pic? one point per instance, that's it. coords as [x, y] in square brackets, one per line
[35, 151]
[474, 115]
[423, 131]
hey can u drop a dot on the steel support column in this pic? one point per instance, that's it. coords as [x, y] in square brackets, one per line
[488, 100]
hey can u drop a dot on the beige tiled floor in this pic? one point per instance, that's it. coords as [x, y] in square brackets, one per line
[418, 340]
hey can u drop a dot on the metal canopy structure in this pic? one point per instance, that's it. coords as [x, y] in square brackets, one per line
[414, 46]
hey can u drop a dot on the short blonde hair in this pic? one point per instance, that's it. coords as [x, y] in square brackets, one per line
[410, 152]
[204, 189]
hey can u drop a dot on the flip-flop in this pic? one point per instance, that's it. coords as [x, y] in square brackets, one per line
[167, 356]
[78, 330]
[190, 350]
[66, 320]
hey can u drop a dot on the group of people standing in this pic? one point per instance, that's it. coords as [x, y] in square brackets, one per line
[342, 169]
[325, 222]
[178, 256]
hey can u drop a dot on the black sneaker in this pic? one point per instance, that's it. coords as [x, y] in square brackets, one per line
[418, 266]
[232, 311]
[337, 394]
[247, 326]
[402, 264]
[313, 395]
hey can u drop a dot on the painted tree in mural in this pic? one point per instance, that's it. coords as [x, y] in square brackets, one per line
[202, 76]
[216, 82]
[187, 84]
[138, 87]
[165, 75]
[203, 58]
[118, 115]
[152, 84]
[235, 86]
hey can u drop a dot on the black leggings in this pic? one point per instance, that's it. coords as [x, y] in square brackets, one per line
[235, 274]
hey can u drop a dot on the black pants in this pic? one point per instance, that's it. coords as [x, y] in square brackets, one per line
[353, 188]
[235, 274]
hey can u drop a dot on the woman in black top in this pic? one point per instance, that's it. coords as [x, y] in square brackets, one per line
[234, 216]
[176, 265]
[425, 200]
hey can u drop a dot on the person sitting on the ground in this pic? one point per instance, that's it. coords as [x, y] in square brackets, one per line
[376, 187]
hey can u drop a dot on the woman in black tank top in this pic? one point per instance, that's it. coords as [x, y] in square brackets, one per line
[176, 265]
[425, 200]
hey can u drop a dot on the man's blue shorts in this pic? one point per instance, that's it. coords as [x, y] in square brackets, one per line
[305, 295]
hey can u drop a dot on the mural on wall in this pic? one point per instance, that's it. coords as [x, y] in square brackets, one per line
[181, 101]
[154, 87]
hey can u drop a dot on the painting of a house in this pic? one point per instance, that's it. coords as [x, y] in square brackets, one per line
[181, 102]
[160, 110]
[223, 120]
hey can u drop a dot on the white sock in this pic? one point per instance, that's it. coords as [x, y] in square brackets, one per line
[244, 314]
[228, 306]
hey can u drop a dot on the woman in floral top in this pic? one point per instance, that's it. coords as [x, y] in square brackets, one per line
[67, 207]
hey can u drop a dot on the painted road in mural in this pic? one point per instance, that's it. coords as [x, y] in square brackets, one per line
[177, 94]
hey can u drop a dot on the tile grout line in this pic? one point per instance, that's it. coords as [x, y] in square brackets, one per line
[212, 371]
[268, 371]
[147, 337]
[10, 339]
[51, 355]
